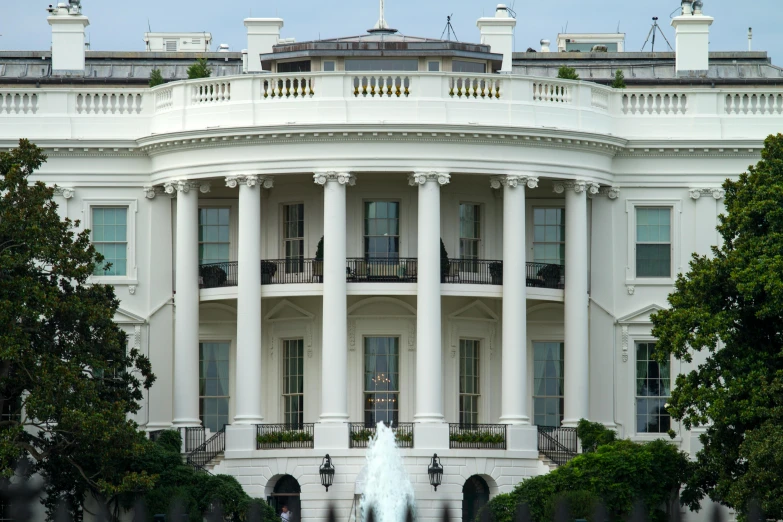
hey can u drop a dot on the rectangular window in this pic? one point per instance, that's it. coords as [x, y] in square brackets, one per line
[433, 66]
[653, 242]
[381, 64]
[382, 230]
[293, 237]
[110, 238]
[653, 391]
[213, 385]
[213, 235]
[468, 67]
[294, 67]
[548, 383]
[329, 66]
[469, 232]
[293, 381]
[469, 381]
[381, 380]
[549, 235]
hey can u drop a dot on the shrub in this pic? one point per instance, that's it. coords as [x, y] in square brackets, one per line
[593, 434]
[567, 73]
[319, 250]
[284, 436]
[445, 264]
[476, 437]
[619, 80]
[500, 509]
[156, 78]
[200, 69]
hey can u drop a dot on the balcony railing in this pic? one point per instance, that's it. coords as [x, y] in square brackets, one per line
[361, 433]
[284, 436]
[557, 444]
[218, 275]
[291, 271]
[484, 272]
[477, 436]
[392, 270]
[542, 275]
[211, 448]
[193, 438]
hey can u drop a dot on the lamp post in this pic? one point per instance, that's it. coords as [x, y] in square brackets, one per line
[435, 471]
[327, 472]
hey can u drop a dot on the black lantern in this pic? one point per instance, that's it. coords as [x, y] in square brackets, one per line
[327, 472]
[435, 471]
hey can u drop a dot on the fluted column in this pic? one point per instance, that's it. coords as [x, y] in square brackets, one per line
[186, 320]
[334, 361]
[513, 408]
[249, 385]
[429, 370]
[577, 362]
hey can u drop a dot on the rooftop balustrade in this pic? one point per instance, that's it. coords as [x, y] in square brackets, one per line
[270, 100]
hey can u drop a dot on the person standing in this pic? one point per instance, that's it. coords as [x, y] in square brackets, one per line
[285, 515]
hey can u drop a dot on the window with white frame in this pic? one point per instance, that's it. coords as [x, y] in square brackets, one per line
[293, 237]
[293, 382]
[381, 380]
[653, 391]
[653, 242]
[381, 229]
[549, 235]
[469, 381]
[214, 241]
[110, 238]
[470, 232]
[548, 383]
[213, 384]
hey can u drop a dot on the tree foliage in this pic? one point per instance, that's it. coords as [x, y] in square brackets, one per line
[199, 69]
[594, 434]
[619, 80]
[567, 73]
[730, 306]
[156, 78]
[67, 377]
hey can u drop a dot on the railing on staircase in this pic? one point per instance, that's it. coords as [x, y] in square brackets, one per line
[211, 448]
[557, 444]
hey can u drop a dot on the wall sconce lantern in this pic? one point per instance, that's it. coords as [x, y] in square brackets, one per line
[435, 471]
[327, 472]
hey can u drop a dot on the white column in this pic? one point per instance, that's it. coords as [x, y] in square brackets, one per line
[186, 301]
[429, 370]
[334, 357]
[577, 363]
[513, 408]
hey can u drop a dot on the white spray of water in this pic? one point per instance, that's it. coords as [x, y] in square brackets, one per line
[388, 489]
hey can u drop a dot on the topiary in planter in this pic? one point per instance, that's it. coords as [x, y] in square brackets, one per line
[445, 264]
[551, 275]
[268, 271]
[213, 276]
[496, 272]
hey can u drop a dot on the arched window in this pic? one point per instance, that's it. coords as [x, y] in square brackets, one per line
[286, 493]
[475, 495]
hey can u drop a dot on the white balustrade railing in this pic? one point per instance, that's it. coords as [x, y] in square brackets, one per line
[106, 102]
[471, 87]
[287, 87]
[164, 99]
[654, 103]
[599, 98]
[18, 102]
[555, 92]
[211, 92]
[754, 103]
[381, 85]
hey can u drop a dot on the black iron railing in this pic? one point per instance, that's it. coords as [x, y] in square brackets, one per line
[376, 270]
[477, 436]
[284, 436]
[291, 271]
[361, 433]
[217, 275]
[193, 438]
[557, 444]
[211, 448]
[543, 275]
[474, 272]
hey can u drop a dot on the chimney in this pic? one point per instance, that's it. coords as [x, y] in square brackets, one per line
[692, 29]
[262, 35]
[545, 46]
[498, 33]
[68, 24]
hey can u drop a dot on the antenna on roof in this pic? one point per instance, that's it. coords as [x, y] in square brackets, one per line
[655, 29]
[382, 26]
[448, 31]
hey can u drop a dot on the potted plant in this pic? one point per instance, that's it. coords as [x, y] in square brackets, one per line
[496, 272]
[318, 264]
[445, 264]
[550, 274]
[268, 270]
[213, 276]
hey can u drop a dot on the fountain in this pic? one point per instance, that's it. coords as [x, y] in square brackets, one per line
[388, 490]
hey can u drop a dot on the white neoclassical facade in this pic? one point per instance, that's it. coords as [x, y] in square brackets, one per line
[325, 235]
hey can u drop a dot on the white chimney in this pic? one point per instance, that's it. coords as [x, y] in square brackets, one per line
[262, 35]
[545, 46]
[68, 24]
[244, 61]
[692, 29]
[498, 33]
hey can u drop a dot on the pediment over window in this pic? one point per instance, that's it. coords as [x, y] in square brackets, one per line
[287, 311]
[641, 316]
[475, 311]
[123, 316]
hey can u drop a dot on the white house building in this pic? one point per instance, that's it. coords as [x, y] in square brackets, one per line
[565, 209]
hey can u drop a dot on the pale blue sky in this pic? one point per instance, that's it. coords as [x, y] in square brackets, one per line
[118, 25]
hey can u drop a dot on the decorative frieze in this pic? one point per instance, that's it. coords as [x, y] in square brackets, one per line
[717, 193]
[498, 182]
[625, 343]
[252, 180]
[343, 178]
[184, 186]
[577, 186]
[65, 192]
[420, 178]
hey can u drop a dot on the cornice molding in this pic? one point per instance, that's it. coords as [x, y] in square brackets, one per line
[513, 181]
[718, 193]
[420, 178]
[579, 186]
[343, 178]
[250, 180]
[184, 186]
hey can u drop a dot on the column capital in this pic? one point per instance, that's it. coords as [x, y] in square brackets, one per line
[343, 178]
[65, 192]
[250, 180]
[151, 191]
[718, 193]
[184, 186]
[420, 178]
[577, 186]
[513, 181]
[612, 192]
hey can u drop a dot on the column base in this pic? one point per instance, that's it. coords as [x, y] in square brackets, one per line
[331, 435]
[431, 436]
[247, 421]
[185, 423]
[571, 423]
[240, 438]
[522, 437]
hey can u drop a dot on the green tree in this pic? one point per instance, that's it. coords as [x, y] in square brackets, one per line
[730, 306]
[594, 434]
[619, 80]
[200, 69]
[156, 78]
[567, 73]
[65, 371]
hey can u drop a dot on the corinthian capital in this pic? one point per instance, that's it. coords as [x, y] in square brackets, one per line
[579, 186]
[513, 181]
[250, 181]
[420, 178]
[343, 178]
[150, 191]
[184, 186]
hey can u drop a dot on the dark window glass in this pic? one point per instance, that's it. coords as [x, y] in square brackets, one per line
[293, 381]
[213, 385]
[290, 67]
[382, 64]
[549, 383]
[468, 67]
[469, 381]
[381, 380]
[382, 229]
[653, 391]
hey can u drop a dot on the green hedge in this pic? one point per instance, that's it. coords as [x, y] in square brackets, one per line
[284, 436]
[476, 437]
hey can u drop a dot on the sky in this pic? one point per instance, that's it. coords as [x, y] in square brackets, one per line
[117, 25]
